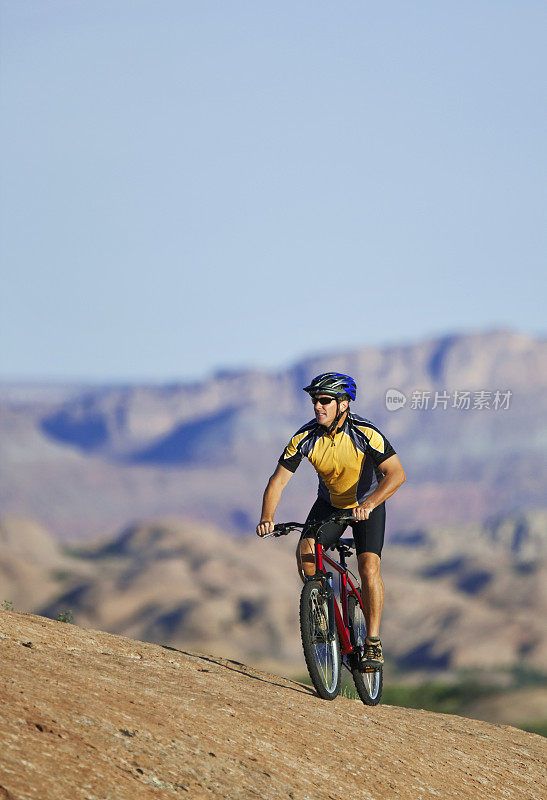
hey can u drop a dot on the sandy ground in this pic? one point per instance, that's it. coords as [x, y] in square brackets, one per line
[86, 715]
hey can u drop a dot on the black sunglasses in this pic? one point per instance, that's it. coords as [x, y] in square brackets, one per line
[323, 400]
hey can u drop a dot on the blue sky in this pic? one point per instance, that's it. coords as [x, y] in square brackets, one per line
[188, 186]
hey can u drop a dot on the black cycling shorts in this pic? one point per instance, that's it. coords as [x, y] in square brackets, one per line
[368, 534]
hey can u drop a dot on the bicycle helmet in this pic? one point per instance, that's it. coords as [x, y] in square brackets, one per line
[334, 384]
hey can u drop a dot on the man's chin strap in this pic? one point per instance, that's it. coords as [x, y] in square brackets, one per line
[339, 414]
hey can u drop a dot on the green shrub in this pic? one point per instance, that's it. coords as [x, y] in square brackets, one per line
[538, 726]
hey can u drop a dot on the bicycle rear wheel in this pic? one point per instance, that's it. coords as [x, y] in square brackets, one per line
[321, 647]
[369, 684]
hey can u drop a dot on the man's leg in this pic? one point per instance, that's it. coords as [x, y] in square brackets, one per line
[373, 591]
[369, 537]
[305, 558]
[305, 552]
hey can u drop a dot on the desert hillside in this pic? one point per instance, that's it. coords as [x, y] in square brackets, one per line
[189, 585]
[86, 716]
[478, 650]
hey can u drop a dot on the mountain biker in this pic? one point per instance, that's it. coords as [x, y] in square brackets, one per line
[358, 470]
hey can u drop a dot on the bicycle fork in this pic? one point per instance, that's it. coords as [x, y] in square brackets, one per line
[331, 603]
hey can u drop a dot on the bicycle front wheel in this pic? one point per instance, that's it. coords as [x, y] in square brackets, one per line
[321, 646]
[369, 684]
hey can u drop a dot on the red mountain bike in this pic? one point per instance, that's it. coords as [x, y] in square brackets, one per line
[333, 633]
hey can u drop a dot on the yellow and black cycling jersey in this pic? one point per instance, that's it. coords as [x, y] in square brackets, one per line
[347, 462]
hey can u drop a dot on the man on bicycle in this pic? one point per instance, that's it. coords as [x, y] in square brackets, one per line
[358, 469]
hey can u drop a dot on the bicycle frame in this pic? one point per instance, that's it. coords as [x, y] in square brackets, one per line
[324, 653]
[341, 617]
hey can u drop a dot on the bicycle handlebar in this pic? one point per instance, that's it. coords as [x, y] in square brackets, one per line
[284, 528]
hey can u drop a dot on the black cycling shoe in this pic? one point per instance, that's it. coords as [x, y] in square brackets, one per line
[372, 657]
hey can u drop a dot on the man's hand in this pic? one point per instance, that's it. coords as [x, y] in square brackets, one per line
[264, 527]
[364, 510]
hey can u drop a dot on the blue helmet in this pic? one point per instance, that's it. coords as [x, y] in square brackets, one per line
[334, 384]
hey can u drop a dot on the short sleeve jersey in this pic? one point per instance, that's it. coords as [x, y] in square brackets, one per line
[347, 463]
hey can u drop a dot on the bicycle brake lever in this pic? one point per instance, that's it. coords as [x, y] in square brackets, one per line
[284, 528]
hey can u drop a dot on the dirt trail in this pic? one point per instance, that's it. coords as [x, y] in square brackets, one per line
[90, 716]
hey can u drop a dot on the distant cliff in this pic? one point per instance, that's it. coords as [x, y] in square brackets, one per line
[86, 459]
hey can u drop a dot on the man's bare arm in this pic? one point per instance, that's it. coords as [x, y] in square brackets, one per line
[394, 476]
[272, 495]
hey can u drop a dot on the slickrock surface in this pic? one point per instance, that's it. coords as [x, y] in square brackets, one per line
[86, 715]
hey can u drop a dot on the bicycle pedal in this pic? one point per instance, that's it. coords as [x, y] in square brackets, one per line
[361, 664]
[363, 668]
